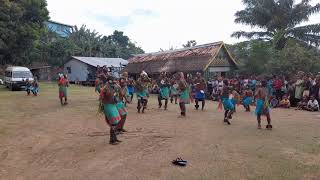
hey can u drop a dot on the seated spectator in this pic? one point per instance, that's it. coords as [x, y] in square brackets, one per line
[274, 102]
[303, 103]
[285, 102]
[312, 105]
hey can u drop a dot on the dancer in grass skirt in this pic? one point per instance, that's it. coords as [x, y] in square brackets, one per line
[164, 85]
[235, 99]
[226, 102]
[141, 87]
[98, 85]
[184, 94]
[262, 105]
[108, 97]
[122, 99]
[174, 91]
[247, 99]
[200, 88]
[63, 91]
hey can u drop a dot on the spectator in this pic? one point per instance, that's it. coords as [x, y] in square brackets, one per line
[303, 103]
[312, 105]
[284, 103]
[315, 89]
[298, 88]
[274, 102]
[277, 85]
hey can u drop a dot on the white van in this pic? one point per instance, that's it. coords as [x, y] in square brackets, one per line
[15, 77]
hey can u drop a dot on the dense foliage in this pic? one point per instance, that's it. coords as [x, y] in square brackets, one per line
[279, 21]
[260, 57]
[21, 22]
[24, 38]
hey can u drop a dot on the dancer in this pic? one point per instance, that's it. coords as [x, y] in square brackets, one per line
[200, 87]
[262, 105]
[121, 101]
[247, 99]
[226, 101]
[164, 85]
[235, 99]
[98, 85]
[184, 93]
[131, 89]
[142, 91]
[174, 91]
[109, 107]
[63, 84]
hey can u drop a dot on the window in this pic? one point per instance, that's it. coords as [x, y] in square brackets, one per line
[69, 70]
[21, 74]
[8, 74]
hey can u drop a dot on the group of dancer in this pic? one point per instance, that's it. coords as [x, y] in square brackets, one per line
[115, 94]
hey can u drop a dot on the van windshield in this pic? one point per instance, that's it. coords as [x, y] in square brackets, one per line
[21, 74]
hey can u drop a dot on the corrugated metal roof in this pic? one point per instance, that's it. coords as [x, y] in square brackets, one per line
[98, 61]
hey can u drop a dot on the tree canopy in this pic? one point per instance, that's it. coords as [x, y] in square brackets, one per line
[21, 22]
[279, 21]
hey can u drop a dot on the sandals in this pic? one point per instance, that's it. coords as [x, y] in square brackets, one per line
[179, 162]
[226, 120]
[269, 127]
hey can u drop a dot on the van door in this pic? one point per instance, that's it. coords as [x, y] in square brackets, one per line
[7, 78]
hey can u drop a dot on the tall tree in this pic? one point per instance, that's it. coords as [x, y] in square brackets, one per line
[21, 22]
[190, 43]
[279, 20]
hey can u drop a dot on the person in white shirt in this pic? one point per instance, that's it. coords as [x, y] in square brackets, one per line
[312, 105]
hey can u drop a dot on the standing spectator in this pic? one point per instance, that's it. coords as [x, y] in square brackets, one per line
[315, 89]
[298, 88]
[306, 86]
[277, 85]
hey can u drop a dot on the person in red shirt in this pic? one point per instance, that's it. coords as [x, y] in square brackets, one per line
[277, 84]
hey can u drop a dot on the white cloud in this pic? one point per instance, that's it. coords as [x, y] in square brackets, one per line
[155, 24]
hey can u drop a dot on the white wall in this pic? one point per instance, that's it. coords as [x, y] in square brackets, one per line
[78, 70]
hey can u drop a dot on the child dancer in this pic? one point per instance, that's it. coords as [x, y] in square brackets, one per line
[174, 91]
[184, 92]
[235, 99]
[200, 88]
[226, 101]
[164, 85]
[262, 105]
[247, 99]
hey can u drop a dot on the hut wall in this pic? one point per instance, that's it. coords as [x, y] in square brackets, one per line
[76, 70]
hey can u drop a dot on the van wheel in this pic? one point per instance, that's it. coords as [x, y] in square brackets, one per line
[11, 87]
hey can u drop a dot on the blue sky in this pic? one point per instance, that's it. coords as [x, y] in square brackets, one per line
[156, 24]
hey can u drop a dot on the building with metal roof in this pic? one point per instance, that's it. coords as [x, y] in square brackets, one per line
[209, 59]
[83, 69]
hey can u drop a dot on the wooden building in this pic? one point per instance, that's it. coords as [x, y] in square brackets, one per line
[209, 59]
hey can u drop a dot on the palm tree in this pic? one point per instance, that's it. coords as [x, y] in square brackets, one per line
[278, 21]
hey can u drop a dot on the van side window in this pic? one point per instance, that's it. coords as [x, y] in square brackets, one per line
[69, 70]
[8, 74]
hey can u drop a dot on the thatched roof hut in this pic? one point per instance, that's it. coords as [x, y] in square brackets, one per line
[213, 58]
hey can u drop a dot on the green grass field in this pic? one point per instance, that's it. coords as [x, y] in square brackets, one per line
[39, 139]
